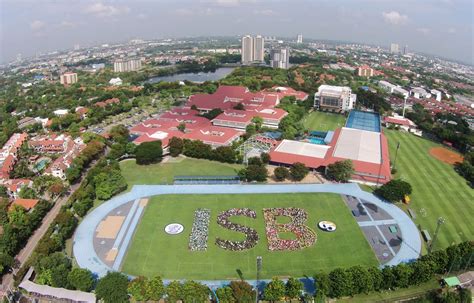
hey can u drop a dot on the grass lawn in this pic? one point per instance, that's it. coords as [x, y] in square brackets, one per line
[437, 189]
[323, 121]
[390, 296]
[153, 252]
[163, 173]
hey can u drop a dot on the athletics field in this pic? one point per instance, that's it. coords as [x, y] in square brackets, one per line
[153, 251]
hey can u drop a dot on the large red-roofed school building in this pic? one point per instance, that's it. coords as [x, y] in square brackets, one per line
[226, 127]
[361, 141]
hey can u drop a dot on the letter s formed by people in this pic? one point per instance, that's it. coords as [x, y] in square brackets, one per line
[251, 235]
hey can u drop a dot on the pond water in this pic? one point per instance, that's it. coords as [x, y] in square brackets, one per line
[195, 77]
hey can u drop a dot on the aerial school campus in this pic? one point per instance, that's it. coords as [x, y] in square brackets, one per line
[196, 219]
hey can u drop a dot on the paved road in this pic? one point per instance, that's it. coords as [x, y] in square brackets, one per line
[25, 253]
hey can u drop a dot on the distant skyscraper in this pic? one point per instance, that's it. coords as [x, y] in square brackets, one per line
[253, 49]
[19, 57]
[405, 50]
[129, 65]
[394, 48]
[259, 49]
[247, 50]
[299, 39]
[77, 47]
[280, 58]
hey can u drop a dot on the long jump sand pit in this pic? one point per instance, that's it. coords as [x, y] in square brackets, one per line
[446, 155]
[109, 228]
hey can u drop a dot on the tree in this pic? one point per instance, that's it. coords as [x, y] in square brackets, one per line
[81, 279]
[176, 146]
[137, 288]
[119, 133]
[255, 161]
[281, 173]
[66, 223]
[250, 130]
[322, 285]
[225, 294]
[3, 191]
[239, 106]
[112, 288]
[294, 287]
[213, 113]
[5, 261]
[258, 121]
[53, 270]
[109, 183]
[174, 290]
[422, 271]
[194, 291]
[254, 173]
[388, 281]
[298, 171]
[394, 191]
[155, 289]
[341, 171]
[17, 216]
[224, 154]
[242, 291]
[181, 127]
[403, 274]
[275, 290]
[27, 193]
[265, 157]
[340, 283]
[377, 277]
[149, 152]
[362, 280]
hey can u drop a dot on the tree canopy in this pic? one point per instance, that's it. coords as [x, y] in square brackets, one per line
[341, 171]
[394, 190]
[149, 152]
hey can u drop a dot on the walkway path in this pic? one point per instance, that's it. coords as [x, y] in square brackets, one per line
[83, 239]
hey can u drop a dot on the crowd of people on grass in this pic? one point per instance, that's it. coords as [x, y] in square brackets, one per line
[251, 235]
[200, 230]
[305, 236]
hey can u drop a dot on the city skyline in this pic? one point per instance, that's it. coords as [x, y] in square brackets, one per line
[31, 27]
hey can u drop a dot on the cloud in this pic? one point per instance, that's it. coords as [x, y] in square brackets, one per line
[67, 24]
[265, 12]
[423, 30]
[394, 18]
[37, 25]
[228, 3]
[185, 12]
[451, 30]
[102, 10]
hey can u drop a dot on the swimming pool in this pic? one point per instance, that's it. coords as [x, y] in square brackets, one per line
[315, 140]
[41, 164]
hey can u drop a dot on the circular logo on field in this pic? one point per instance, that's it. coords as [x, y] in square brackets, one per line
[174, 229]
[327, 225]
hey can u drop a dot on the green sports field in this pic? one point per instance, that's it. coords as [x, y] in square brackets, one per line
[323, 121]
[437, 189]
[163, 173]
[153, 252]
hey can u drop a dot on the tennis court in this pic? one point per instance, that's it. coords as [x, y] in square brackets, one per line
[364, 121]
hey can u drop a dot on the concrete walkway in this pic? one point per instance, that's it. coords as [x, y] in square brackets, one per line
[83, 239]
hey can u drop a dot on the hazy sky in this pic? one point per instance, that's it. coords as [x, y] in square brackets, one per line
[441, 27]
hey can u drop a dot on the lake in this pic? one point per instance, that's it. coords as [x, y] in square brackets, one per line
[195, 77]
